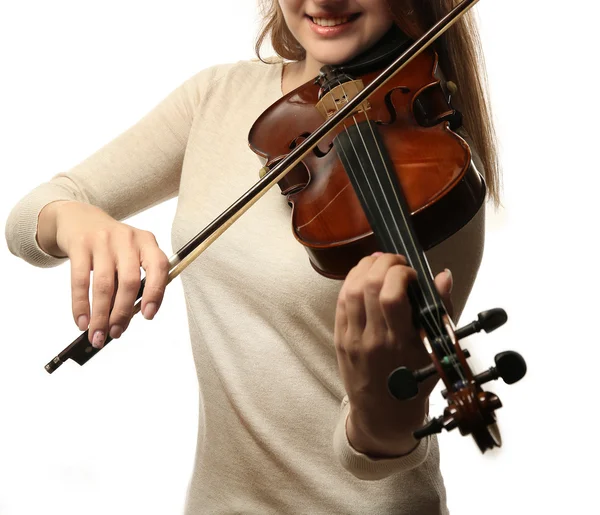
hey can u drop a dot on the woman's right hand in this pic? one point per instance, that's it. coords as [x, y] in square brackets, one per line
[93, 240]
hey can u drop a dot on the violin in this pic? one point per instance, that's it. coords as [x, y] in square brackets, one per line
[369, 160]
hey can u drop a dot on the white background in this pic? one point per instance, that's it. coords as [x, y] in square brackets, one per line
[117, 435]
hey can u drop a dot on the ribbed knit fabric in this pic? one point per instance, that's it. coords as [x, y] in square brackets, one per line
[271, 435]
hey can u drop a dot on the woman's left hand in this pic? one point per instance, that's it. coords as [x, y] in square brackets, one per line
[374, 334]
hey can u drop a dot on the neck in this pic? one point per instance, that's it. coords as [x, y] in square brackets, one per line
[297, 73]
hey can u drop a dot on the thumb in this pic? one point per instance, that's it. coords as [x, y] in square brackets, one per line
[444, 283]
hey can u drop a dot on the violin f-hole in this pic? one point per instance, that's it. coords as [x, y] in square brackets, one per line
[391, 109]
[316, 151]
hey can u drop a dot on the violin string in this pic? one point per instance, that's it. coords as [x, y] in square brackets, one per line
[422, 262]
[429, 318]
[435, 328]
[420, 257]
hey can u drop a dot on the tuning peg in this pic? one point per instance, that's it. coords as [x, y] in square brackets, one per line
[404, 384]
[435, 425]
[487, 321]
[510, 366]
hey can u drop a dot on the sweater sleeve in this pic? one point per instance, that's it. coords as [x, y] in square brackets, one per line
[138, 169]
[365, 467]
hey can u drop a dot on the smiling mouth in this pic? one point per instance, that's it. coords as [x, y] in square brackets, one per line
[333, 22]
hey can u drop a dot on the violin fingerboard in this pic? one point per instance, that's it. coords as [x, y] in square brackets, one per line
[371, 172]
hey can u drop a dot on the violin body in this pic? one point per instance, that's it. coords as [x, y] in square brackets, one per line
[392, 176]
[432, 162]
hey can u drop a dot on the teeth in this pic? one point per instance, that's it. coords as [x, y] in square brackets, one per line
[330, 22]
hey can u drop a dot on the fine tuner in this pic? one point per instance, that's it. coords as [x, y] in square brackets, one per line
[403, 384]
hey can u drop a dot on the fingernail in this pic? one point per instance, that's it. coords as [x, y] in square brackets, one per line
[150, 310]
[447, 270]
[98, 340]
[82, 322]
[115, 331]
[377, 254]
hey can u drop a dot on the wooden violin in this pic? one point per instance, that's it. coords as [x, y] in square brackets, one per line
[368, 158]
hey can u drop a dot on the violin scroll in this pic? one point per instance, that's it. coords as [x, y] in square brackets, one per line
[469, 409]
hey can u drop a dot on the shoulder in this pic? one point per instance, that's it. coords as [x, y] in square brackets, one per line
[227, 79]
[244, 69]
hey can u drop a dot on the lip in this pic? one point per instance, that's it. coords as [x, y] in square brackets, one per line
[331, 15]
[331, 31]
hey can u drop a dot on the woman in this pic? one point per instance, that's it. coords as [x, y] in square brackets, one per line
[294, 414]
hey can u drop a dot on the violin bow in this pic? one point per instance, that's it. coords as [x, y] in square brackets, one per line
[81, 350]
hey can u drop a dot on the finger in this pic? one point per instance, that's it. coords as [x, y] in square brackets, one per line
[444, 282]
[81, 267]
[103, 287]
[156, 266]
[340, 324]
[394, 300]
[352, 297]
[375, 280]
[128, 285]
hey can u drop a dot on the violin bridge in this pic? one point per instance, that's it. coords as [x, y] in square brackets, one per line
[339, 96]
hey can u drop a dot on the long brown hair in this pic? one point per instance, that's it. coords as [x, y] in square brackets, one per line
[460, 58]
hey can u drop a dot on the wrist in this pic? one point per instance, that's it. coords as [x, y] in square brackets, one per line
[389, 437]
[47, 228]
[374, 447]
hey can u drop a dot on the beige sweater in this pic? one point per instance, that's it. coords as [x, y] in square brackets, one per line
[271, 436]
